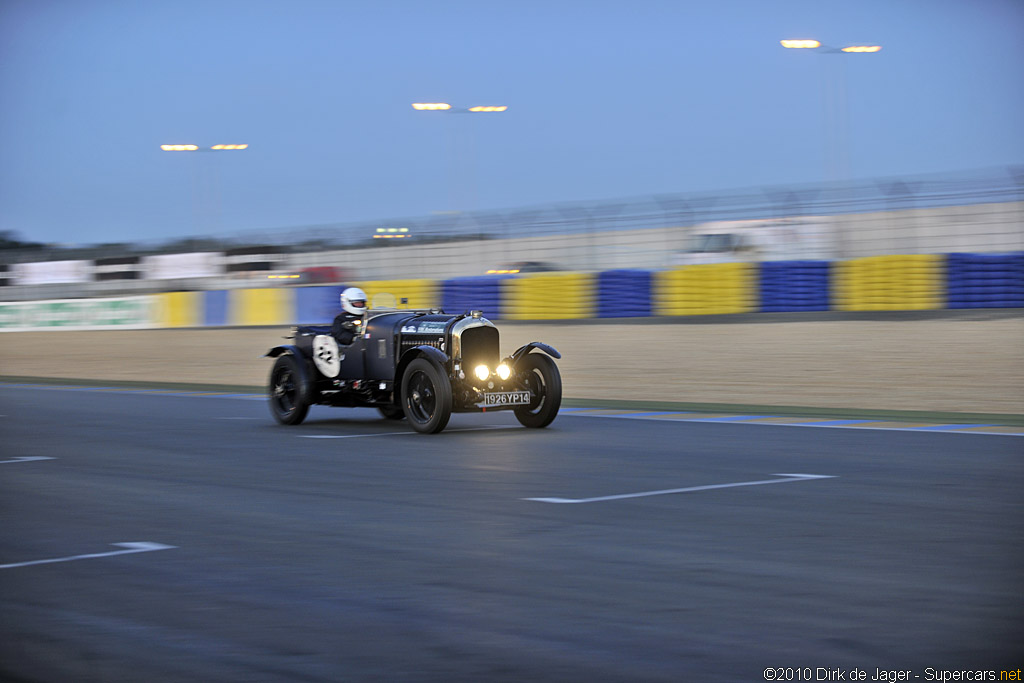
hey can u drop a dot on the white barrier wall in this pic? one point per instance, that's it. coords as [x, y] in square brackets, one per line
[981, 228]
[181, 266]
[977, 228]
[52, 272]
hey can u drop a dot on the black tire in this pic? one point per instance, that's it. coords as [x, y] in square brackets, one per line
[539, 375]
[426, 397]
[391, 412]
[287, 391]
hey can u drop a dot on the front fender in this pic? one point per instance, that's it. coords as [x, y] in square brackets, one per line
[435, 356]
[526, 348]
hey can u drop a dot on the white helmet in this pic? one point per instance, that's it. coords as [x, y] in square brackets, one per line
[353, 300]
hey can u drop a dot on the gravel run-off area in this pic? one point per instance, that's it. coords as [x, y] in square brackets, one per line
[958, 364]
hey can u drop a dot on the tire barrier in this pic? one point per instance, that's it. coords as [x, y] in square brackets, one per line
[624, 294]
[706, 289]
[794, 286]
[875, 283]
[480, 292]
[986, 280]
[179, 309]
[889, 283]
[274, 306]
[317, 305]
[548, 296]
[417, 293]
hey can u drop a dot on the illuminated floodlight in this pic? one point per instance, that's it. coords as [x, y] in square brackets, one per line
[800, 44]
[229, 147]
[488, 108]
[862, 48]
[391, 233]
[431, 106]
[179, 148]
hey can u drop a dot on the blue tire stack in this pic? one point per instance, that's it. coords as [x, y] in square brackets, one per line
[986, 280]
[477, 293]
[624, 294]
[794, 286]
[317, 305]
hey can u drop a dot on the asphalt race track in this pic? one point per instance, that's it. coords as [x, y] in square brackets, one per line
[255, 552]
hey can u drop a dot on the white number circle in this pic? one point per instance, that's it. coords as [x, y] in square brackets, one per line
[326, 356]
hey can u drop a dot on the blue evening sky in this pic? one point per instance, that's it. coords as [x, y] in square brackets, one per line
[606, 99]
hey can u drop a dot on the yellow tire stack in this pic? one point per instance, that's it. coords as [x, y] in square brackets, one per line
[179, 309]
[706, 289]
[420, 293]
[549, 296]
[903, 282]
[270, 306]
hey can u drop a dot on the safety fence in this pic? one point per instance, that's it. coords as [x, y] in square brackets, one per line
[877, 283]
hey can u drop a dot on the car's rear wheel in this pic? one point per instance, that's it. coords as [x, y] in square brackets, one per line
[539, 375]
[287, 394]
[426, 397]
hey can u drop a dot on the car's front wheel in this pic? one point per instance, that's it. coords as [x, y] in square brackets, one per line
[539, 375]
[287, 396]
[426, 397]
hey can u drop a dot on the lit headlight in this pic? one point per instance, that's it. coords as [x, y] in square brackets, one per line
[504, 371]
[482, 372]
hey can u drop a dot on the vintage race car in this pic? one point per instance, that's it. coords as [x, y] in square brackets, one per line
[421, 365]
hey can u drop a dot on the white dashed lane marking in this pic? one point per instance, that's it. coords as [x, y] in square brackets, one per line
[26, 458]
[690, 489]
[130, 548]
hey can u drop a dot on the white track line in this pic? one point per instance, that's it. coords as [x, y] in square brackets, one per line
[644, 494]
[26, 458]
[676, 420]
[360, 436]
[133, 547]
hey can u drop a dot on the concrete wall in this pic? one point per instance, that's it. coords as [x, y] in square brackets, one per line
[979, 228]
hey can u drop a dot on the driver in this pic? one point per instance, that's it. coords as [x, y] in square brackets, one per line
[347, 325]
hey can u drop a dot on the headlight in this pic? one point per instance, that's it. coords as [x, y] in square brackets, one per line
[482, 372]
[504, 371]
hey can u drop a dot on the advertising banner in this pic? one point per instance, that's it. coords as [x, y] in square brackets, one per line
[77, 314]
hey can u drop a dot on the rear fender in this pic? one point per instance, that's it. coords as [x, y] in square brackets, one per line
[282, 350]
[307, 375]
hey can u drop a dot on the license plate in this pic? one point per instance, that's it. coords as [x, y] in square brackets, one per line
[506, 398]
